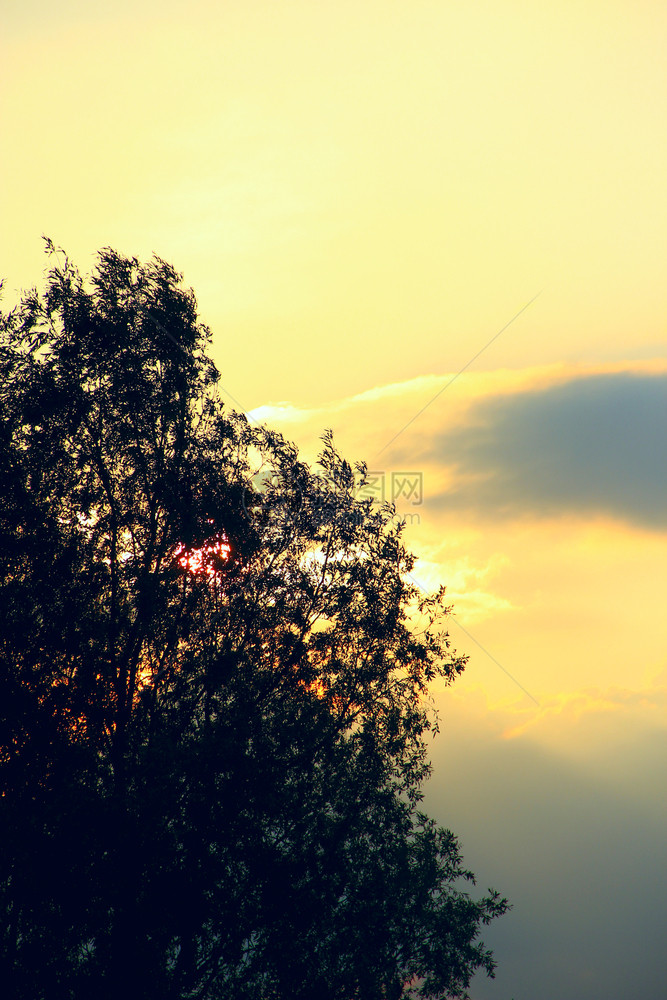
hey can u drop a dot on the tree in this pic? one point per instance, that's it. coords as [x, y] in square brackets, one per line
[213, 690]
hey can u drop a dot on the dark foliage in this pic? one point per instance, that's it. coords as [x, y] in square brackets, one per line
[213, 690]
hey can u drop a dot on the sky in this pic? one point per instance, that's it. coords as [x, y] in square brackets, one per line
[441, 230]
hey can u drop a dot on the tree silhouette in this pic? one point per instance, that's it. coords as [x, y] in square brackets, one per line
[213, 694]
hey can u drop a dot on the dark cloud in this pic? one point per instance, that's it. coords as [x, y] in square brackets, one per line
[595, 444]
[580, 855]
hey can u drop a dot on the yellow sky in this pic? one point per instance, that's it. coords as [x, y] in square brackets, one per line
[362, 196]
[358, 192]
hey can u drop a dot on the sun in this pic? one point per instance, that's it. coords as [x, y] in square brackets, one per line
[209, 559]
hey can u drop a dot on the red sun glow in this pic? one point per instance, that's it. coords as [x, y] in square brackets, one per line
[206, 560]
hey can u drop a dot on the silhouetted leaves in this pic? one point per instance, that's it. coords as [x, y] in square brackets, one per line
[213, 693]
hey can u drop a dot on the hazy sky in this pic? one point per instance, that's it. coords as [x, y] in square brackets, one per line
[363, 195]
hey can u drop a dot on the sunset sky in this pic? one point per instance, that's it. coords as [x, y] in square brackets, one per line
[440, 229]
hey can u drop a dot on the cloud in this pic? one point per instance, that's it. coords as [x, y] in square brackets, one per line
[567, 709]
[594, 445]
[570, 720]
[467, 582]
[281, 413]
[536, 442]
[572, 830]
[581, 858]
[409, 390]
